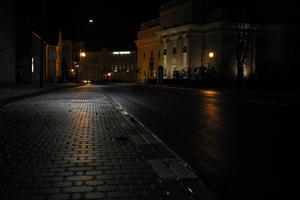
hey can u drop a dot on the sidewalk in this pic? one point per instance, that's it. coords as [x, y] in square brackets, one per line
[79, 144]
[12, 93]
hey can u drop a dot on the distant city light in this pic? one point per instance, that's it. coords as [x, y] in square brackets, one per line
[211, 54]
[91, 21]
[109, 74]
[121, 52]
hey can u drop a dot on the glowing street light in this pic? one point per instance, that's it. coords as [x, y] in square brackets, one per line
[83, 54]
[91, 21]
[211, 55]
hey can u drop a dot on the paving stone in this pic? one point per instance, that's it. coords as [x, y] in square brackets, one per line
[95, 195]
[62, 184]
[58, 197]
[50, 191]
[75, 144]
[79, 178]
[76, 189]
[106, 188]
[125, 194]
[94, 183]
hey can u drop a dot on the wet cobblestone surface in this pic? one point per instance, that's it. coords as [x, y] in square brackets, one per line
[74, 144]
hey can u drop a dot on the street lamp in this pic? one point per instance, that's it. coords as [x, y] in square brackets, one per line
[82, 54]
[211, 56]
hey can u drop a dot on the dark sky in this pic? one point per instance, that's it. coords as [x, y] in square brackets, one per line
[116, 22]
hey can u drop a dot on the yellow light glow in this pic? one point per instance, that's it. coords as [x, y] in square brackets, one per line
[72, 70]
[83, 54]
[211, 54]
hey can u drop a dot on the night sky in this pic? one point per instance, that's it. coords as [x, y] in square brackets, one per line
[116, 22]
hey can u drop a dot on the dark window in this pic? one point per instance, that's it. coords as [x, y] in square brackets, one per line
[151, 54]
[144, 54]
[165, 52]
[184, 49]
[174, 50]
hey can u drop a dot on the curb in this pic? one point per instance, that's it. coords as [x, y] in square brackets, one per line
[180, 170]
[7, 100]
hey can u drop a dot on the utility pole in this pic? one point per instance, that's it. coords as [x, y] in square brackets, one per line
[42, 62]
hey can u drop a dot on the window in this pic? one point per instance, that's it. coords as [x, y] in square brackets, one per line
[165, 52]
[151, 54]
[144, 54]
[174, 50]
[184, 49]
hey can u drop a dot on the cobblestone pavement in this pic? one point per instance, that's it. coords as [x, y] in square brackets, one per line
[76, 144]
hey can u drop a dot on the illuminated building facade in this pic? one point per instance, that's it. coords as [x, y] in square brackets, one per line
[190, 31]
[53, 58]
[148, 50]
[106, 64]
[189, 34]
[70, 59]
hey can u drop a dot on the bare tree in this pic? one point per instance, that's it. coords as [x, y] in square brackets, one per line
[244, 35]
[244, 39]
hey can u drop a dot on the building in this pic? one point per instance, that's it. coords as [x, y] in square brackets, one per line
[148, 50]
[70, 58]
[7, 42]
[123, 66]
[93, 66]
[54, 61]
[195, 34]
[106, 64]
[188, 36]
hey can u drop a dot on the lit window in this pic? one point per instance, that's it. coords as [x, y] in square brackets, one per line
[32, 65]
[121, 52]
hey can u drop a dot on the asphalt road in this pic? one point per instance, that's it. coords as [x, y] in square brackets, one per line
[232, 142]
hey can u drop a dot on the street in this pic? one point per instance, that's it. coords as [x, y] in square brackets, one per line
[230, 141]
[72, 144]
[75, 144]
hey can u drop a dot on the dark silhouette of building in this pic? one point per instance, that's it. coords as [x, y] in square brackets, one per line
[7, 42]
